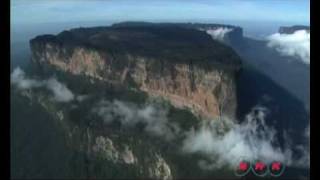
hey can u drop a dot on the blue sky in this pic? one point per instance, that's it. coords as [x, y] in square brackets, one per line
[42, 11]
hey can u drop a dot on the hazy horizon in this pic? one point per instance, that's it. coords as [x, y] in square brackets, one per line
[35, 11]
[257, 18]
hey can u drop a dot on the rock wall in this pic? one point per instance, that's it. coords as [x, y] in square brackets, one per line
[207, 90]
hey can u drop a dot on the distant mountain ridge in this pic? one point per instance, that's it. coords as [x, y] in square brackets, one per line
[234, 36]
[292, 29]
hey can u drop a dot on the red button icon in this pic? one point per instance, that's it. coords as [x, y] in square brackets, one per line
[243, 168]
[276, 168]
[260, 168]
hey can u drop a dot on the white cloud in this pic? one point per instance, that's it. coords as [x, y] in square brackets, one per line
[296, 44]
[219, 33]
[129, 114]
[81, 98]
[304, 160]
[60, 91]
[18, 78]
[252, 140]
[223, 142]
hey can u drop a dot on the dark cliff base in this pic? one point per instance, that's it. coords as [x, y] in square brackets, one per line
[287, 112]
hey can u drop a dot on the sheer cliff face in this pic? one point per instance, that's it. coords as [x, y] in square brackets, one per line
[202, 81]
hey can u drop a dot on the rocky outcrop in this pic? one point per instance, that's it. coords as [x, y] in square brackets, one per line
[160, 169]
[292, 29]
[182, 65]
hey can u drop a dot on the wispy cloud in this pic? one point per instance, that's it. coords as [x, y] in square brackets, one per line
[224, 142]
[18, 78]
[219, 33]
[296, 44]
[60, 92]
[250, 140]
[154, 118]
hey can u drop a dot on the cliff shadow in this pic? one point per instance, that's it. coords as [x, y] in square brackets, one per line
[286, 114]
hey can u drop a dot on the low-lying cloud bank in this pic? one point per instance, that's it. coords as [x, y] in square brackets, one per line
[223, 142]
[250, 140]
[60, 92]
[219, 33]
[296, 44]
[154, 118]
